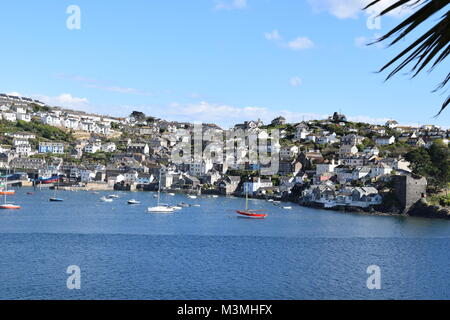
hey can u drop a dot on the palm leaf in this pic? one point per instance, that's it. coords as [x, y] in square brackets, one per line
[428, 50]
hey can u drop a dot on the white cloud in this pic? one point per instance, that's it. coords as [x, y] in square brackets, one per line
[367, 119]
[344, 9]
[16, 94]
[64, 100]
[230, 4]
[295, 82]
[227, 115]
[301, 43]
[274, 35]
[96, 84]
[361, 42]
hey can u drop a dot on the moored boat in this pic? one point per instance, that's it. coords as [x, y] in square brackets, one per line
[133, 201]
[7, 192]
[56, 199]
[160, 208]
[253, 214]
[105, 199]
[9, 206]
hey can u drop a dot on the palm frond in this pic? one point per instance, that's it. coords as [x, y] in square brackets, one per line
[430, 49]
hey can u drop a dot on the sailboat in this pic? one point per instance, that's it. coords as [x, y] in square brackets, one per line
[9, 206]
[54, 198]
[160, 208]
[4, 190]
[253, 214]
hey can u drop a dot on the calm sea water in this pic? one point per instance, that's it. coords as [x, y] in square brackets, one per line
[208, 253]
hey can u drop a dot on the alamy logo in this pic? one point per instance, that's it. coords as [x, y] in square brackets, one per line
[74, 20]
[374, 280]
[74, 280]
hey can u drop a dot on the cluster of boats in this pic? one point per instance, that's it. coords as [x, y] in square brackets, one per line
[159, 208]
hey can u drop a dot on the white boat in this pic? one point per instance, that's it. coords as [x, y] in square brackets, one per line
[270, 200]
[176, 208]
[192, 197]
[105, 199]
[133, 201]
[287, 208]
[215, 196]
[160, 208]
[172, 194]
[196, 205]
[113, 196]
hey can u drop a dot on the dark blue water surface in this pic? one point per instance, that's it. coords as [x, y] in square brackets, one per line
[208, 253]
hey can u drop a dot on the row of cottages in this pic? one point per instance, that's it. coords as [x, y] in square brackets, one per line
[329, 197]
[18, 101]
[77, 124]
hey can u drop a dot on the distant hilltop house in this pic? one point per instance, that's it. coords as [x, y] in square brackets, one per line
[391, 124]
[279, 121]
[338, 117]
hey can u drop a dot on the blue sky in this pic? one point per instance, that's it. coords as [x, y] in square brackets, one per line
[211, 61]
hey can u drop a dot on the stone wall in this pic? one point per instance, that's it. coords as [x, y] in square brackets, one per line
[409, 190]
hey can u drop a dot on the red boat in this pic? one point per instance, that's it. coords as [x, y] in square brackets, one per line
[7, 192]
[250, 214]
[8, 206]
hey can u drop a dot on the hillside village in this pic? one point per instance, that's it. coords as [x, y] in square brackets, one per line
[333, 163]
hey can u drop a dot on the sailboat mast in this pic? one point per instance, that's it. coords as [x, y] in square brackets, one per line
[159, 186]
[246, 198]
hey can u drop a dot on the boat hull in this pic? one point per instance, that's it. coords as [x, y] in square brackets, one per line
[160, 210]
[9, 207]
[251, 215]
[7, 192]
[55, 200]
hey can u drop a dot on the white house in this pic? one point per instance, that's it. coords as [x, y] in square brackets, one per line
[9, 116]
[380, 169]
[23, 117]
[384, 141]
[109, 147]
[256, 184]
[87, 175]
[301, 134]
[131, 177]
[198, 169]
[288, 152]
[326, 167]
[23, 150]
[92, 147]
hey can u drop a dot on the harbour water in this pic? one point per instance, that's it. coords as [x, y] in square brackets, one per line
[207, 252]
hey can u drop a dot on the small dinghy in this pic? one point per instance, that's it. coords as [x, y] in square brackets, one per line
[133, 202]
[105, 199]
[184, 205]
